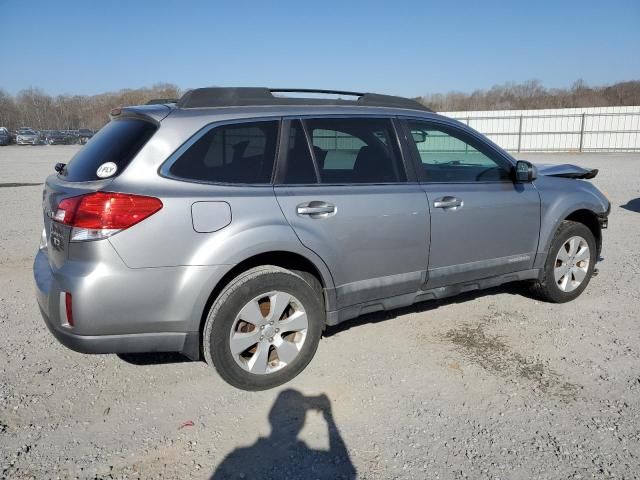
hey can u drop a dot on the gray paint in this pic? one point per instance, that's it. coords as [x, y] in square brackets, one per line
[498, 220]
[562, 196]
[209, 217]
[379, 231]
[146, 288]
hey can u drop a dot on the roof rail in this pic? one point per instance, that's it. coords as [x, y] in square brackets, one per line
[254, 96]
[159, 101]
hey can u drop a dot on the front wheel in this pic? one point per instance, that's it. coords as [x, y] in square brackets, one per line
[264, 328]
[570, 263]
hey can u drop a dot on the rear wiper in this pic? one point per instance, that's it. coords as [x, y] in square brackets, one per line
[59, 167]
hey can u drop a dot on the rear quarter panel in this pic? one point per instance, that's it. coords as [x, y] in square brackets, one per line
[168, 238]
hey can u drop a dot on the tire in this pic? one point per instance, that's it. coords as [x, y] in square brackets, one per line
[286, 353]
[549, 288]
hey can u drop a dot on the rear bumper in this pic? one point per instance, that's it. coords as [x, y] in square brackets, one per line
[127, 343]
[121, 310]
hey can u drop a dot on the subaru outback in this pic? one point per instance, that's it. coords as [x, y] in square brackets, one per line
[234, 224]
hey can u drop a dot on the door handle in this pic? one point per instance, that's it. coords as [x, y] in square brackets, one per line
[448, 202]
[316, 209]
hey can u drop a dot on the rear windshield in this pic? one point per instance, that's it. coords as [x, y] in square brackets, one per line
[117, 143]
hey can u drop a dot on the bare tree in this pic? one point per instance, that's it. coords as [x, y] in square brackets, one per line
[34, 108]
[532, 94]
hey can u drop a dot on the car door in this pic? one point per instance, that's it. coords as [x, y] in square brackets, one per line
[342, 186]
[482, 223]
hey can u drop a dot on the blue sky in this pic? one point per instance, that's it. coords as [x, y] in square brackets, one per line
[396, 47]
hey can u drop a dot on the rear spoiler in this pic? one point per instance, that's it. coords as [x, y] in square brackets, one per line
[160, 101]
[156, 112]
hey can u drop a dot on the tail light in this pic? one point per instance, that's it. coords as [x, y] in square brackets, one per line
[101, 214]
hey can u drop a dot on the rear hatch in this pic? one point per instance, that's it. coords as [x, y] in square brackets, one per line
[91, 170]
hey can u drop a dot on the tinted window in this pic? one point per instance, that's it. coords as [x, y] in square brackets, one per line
[299, 164]
[446, 155]
[355, 150]
[118, 142]
[237, 153]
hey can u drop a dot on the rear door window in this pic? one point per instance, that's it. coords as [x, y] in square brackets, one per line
[299, 164]
[355, 150]
[235, 153]
[115, 145]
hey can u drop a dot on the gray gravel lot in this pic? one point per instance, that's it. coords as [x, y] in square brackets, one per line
[492, 385]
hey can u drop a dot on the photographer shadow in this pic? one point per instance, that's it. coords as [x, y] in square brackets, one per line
[282, 455]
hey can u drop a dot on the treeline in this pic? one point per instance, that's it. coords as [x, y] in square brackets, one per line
[533, 95]
[34, 108]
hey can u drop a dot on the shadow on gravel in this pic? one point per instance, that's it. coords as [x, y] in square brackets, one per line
[282, 455]
[159, 358]
[515, 288]
[632, 205]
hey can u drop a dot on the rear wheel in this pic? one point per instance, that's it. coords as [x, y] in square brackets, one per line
[264, 328]
[570, 263]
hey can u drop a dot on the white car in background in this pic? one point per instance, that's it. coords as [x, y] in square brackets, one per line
[28, 136]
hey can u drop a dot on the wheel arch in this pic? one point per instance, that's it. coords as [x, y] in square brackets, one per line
[565, 199]
[589, 219]
[280, 258]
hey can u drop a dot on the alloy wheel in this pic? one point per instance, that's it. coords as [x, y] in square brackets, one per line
[572, 263]
[268, 332]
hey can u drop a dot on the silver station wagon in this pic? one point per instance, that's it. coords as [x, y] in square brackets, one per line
[234, 224]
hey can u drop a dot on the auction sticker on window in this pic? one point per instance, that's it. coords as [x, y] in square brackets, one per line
[106, 170]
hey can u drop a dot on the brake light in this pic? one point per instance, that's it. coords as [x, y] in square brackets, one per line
[101, 214]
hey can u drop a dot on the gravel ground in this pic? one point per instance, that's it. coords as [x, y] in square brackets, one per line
[492, 385]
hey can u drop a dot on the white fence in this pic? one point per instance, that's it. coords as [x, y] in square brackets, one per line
[599, 129]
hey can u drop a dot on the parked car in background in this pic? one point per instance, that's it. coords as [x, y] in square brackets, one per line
[85, 135]
[56, 137]
[5, 136]
[235, 225]
[28, 136]
[73, 135]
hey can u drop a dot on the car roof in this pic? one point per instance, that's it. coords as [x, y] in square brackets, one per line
[193, 119]
[293, 110]
[261, 96]
[207, 105]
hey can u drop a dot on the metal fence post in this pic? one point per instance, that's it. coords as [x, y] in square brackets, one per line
[520, 134]
[581, 131]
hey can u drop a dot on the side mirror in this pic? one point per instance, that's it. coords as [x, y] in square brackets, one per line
[525, 172]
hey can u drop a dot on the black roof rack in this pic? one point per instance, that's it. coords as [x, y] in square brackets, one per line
[254, 96]
[159, 101]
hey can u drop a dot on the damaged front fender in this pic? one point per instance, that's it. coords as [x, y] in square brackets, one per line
[566, 170]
